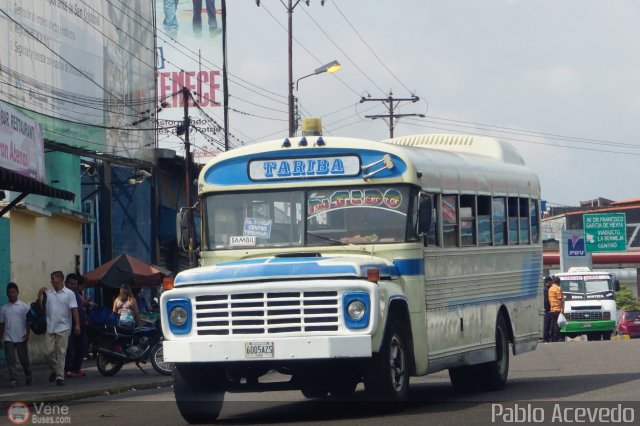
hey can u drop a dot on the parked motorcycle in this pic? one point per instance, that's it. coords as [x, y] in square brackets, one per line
[117, 346]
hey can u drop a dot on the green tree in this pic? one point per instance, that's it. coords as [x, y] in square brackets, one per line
[625, 299]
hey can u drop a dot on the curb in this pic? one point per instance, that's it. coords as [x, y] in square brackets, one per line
[72, 396]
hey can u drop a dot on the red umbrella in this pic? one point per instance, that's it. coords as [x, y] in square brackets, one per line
[126, 269]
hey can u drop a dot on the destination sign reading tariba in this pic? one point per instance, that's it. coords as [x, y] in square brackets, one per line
[299, 168]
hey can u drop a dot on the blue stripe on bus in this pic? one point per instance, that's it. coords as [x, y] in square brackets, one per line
[271, 268]
[409, 266]
[530, 285]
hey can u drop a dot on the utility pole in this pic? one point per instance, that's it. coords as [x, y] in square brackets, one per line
[225, 81]
[290, 7]
[391, 103]
[184, 128]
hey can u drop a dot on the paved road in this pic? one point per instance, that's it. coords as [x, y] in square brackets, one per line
[591, 375]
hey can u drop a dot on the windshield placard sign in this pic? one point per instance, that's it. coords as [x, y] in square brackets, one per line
[257, 228]
[605, 232]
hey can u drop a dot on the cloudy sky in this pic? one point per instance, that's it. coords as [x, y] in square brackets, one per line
[559, 79]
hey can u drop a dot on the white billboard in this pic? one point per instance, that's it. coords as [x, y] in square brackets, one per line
[84, 69]
[190, 54]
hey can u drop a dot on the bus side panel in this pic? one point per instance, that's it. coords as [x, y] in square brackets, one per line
[464, 292]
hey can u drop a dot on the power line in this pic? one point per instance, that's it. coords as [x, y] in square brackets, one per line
[524, 140]
[391, 103]
[369, 47]
[342, 51]
[307, 50]
[532, 132]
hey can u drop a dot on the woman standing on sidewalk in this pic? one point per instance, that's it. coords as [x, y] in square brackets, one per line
[126, 307]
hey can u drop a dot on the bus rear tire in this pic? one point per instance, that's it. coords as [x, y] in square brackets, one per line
[463, 379]
[386, 375]
[494, 374]
[199, 391]
[489, 376]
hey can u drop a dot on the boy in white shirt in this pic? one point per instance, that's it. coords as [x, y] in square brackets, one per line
[15, 334]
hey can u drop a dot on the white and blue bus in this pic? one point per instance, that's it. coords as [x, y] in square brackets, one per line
[339, 261]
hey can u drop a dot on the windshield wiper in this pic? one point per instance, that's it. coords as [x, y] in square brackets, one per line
[322, 237]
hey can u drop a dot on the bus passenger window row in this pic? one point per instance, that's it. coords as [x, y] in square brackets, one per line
[469, 220]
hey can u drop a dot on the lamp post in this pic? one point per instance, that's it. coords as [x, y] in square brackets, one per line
[330, 67]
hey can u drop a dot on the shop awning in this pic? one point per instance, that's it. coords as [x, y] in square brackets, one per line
[12, 181]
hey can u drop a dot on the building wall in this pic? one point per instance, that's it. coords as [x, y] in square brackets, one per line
[40, 245]
[552, 228]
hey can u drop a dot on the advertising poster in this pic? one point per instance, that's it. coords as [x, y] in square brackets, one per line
[190, 54]
[84, 69]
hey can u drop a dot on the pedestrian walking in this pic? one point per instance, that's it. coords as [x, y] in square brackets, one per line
[61, 306]
[14, 333]
[78, 343]
[556, 307]
[546, 336]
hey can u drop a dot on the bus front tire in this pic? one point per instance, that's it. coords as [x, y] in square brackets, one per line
[386, 375]
[199, 391]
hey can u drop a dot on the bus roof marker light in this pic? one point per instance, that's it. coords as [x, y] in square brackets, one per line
[286, 143]
[320, 141]
[303, 142]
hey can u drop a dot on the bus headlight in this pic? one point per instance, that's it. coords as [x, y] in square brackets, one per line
[356, 307]
[179, 315]
[606, 315]
[356, 310]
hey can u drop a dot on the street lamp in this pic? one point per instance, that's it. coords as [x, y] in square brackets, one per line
[331, 67]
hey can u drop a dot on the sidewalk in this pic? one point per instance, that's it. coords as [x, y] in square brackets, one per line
[93, 384]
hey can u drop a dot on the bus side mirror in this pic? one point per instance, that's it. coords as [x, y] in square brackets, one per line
[425, 209]
[616, 285]
[182, 228]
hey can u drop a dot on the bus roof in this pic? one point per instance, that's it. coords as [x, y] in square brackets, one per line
[437, 163]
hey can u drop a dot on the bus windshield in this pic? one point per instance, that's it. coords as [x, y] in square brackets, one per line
[327, 216]
[586, 286]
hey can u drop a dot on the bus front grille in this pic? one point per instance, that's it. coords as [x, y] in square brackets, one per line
[584, 316]
[267, 313]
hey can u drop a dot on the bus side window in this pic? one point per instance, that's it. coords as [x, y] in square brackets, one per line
[535, 226]
[449, 220]
[512, 212]
[499, 221]
[524, 220]
[467, 220]
[484, 220]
